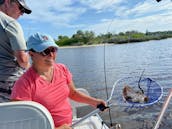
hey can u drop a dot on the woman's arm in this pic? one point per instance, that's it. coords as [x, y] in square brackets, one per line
[83, 98]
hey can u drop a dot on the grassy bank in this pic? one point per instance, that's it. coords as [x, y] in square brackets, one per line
[88, 38]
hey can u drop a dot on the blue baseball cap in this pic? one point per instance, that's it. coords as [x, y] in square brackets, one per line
[39, 42]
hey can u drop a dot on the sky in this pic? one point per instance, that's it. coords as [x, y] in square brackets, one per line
[66, 17]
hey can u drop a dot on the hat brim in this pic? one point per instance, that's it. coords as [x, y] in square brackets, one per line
[26, 8]
[27, 11]
[42, 47]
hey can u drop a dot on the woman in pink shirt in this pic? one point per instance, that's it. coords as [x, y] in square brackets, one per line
[49, 83]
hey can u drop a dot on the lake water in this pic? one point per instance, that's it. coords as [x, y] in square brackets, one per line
[98, 67]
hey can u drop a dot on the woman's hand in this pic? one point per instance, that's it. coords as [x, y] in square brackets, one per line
[101, 104]
[65, 126]
[100, 101]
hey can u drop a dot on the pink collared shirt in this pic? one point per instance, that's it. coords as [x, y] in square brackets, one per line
[54, 95]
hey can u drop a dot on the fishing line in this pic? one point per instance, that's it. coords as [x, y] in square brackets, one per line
[104, 65]
[139, 82]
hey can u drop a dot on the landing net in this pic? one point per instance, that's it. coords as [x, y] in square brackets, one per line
[150, 87]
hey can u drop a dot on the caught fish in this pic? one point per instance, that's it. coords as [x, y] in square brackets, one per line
[134, 96]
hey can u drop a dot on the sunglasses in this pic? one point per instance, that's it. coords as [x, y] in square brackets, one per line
[20, 6]
[46, 51]
[21, 9]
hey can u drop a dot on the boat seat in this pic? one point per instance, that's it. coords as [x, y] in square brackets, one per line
[24, 115]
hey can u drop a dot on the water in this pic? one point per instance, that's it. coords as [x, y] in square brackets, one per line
[91, 65]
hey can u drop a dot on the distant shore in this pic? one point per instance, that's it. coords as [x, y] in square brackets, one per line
[103, 44]
[87, 45]
[84, 38]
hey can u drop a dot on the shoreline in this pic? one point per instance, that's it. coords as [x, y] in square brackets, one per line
[105, 44]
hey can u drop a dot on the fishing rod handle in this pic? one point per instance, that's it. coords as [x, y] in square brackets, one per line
[101, 107]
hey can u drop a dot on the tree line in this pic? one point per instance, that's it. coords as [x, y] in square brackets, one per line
[89, 37]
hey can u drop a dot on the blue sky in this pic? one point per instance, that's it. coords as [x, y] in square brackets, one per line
[65, 17]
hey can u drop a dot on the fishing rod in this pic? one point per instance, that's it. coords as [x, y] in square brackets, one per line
[165, 105]
[107, 95]
[104, 67]
[139, 82]
[100, 107]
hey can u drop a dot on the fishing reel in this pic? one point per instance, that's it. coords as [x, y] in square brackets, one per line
[116, 126]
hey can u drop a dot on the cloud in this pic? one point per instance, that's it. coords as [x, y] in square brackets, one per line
[65, 11]
[54, 12]
[149, 8]
[144, 16]
[109, 15]
[150, 23]
[100, 4]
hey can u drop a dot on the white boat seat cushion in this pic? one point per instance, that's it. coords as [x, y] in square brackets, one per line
[24, 115]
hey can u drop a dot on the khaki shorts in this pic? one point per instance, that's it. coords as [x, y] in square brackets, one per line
[5, 91]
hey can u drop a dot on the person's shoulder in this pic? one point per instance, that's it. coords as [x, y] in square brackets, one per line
[9, 21]
[28, 75]
[25, 80]
[60, 64]
[14, 23]
[5, 17]
[61, 67]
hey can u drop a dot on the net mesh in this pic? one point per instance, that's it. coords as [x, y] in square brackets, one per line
[151, 89]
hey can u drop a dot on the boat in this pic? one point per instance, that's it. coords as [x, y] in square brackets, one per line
[32, 115]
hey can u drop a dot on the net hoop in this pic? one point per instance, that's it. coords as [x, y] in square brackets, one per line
[150, 87]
